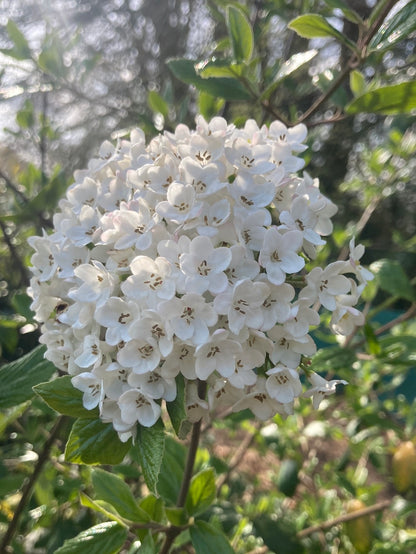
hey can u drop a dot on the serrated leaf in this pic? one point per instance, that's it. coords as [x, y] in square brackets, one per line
[61, 396]
[157, 104]
[392, 279]
[313, 25]
[93, 442]
[177, 410]
[240, 33]
[20, 50]
[18, 378]
[357, 82]
[388, 100]
[229, 89]
[395, 28]
[104, 538]
[202, 492]
[207, 539]
[148, 448]
[115, 491]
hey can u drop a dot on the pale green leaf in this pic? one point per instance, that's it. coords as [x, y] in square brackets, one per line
[357, 82]
[388, 100]
[202, 492]
[20, 50]
[104, 538]
[157, 104]
[112, 489]
[240, 33]
[391, 278]
[314, 25]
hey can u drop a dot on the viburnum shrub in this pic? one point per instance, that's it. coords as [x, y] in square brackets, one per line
[190, 257]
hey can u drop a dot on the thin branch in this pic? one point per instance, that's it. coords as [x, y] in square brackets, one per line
[28, 487]
[346, 517]
[174, 531]
[13, 187]
[14, 254]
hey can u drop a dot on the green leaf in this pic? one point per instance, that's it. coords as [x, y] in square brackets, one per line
[17, 378]
[357, 82]
[314, 25]
[104, 538]
[171, 472]
[289, 67]
[392, 279]
[219, 68]
[93, 442]
[148, 448]
[241, 34]
[61, 396]
[115, 491]
[388, 100]
[332, 359]
[100, 507]
[348, 13]
[25, 117]
[209, 106]
[373, 345]
[154, 507]
[202, 492]
[288, 477]
[157, 104]
[229, 89]
[207, 539]
[177, 516]
[20, 50]
[395, 28]
[278, 534]
[9, 416]
[177, 411]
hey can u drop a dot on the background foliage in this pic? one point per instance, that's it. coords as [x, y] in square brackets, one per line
[73, 73]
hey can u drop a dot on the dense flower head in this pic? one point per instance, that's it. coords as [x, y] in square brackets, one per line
[190, 257]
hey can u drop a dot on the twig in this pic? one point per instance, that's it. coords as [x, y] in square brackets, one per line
[173, 531]
[342, 519]
[28, 487]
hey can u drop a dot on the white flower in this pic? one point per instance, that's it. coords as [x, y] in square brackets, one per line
[283, 384]
[325, 284]
[97, 283]
[321, 388]
[287, 349]
[150, 280]
[217, 354]
[243, 304]
[260, 403]
[117, 315]
[136, 407]
[279, 254]
[141, 355]
[91, 386]
[204, 266]
[356, 253]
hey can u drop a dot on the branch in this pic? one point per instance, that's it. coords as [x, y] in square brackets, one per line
[346, 517]
[28, 487]
[174, 531]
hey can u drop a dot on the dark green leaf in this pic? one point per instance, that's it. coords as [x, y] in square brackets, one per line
[207, 539]
[278, 534]
[61, 396]
[241, 34]
[388, 100]
[93, 442]
[288, 479]
[157, 104]
[20, 50]
[104, 538]
[148, 448]
[229, 89]
[398, 348]
[373, 345]
[392, 278]
[171, 472]
[201, 493]
[19, 377]
[177, 411]
[395, 28]
[115, 491]
[314, 25]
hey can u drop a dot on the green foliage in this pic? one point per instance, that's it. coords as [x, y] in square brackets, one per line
[149, 448]
[207, 539]
[395, 28]
[104, 538]
[202, 492]
[391, 99]
[241, 34]
[313, 25]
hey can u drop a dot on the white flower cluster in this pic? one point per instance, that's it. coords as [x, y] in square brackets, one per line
[187, 256]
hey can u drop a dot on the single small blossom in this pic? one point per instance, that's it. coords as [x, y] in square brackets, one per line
[321, 388]
[279, 254]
